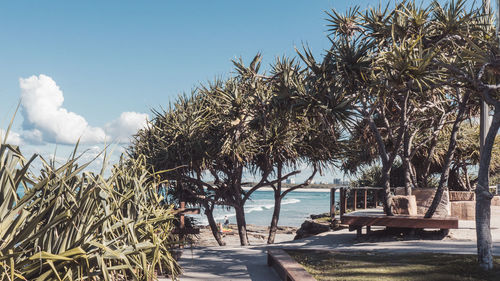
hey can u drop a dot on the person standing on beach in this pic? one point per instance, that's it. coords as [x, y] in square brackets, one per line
[226, 221]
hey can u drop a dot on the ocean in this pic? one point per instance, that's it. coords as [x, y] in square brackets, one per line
[297, 206]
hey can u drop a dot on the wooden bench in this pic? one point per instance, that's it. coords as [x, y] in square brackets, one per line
[286, 267]
[358, 220]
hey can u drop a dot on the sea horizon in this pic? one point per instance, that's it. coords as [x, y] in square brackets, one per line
[296, 207]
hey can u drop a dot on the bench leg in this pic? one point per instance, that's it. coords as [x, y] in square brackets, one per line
[368, 229]
[358, 231]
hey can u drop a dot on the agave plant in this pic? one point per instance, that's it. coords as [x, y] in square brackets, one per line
[71, 224]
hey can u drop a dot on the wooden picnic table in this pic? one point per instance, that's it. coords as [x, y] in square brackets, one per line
[358, 220]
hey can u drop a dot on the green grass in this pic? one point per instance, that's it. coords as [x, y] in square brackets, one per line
[323, 219]
[331, 265]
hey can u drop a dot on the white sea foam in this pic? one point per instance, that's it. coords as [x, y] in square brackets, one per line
[290, 201]
[295, 208]
[269, 206]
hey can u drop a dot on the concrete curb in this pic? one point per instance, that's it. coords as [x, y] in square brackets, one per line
[286, 267]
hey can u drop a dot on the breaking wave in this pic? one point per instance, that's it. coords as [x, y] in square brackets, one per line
[268, 206]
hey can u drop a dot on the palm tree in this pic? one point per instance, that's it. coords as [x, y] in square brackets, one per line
[390, 62]
[396, 60]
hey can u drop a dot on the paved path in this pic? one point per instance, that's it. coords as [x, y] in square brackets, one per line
[250, 263]
[227, 263]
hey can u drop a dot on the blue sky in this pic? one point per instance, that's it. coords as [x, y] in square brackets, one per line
[112, 61]
[143, 53]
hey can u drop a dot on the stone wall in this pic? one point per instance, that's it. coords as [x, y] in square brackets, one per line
[404, 205]
[464, 210]
[495, 201]
[462, 196]
[424, 197]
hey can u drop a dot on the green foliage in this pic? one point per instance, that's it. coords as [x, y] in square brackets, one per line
[408, 67]
[71, 224]
[466, 157]
[372, 176]
[250, 120]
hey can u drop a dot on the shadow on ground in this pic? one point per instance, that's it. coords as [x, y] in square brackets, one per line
[223, 263]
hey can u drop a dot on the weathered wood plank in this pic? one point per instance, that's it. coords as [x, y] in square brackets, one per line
[365, 219]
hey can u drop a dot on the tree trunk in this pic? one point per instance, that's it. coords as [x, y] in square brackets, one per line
[277, 207]
[275, 218]
[209, 212]
[386, 180]
[467, 178]
[406, 164]
[483, 198]
[456, 182]
[424, 175]
[242, 226]
[447, 162]
[386, 166]
[413, 175]
[278, 196]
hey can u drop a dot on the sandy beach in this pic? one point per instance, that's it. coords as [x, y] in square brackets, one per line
[257, 235]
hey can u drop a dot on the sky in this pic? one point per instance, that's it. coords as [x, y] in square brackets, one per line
[93, 70]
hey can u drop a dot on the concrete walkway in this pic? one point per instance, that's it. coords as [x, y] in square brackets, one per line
[227, 263]
[250, 263]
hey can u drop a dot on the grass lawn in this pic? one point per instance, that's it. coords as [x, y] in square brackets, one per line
[331, 265]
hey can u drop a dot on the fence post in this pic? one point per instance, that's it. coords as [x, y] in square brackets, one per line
[342, 201]
[332, 203]
[355, 199]
[366, 197]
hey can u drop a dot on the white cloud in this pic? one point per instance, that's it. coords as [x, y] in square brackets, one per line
[121, 129]
[33, 136]
[13, 137]
[45, 118]
[47, 121]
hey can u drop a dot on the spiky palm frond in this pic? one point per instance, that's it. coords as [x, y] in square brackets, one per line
[69, 224]
[344, 25]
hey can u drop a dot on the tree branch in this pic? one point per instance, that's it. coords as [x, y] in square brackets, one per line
[270, 183]
[305, 183]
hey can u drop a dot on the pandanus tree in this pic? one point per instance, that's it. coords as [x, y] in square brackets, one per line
[182, 142]
[208, 141]
[273, 126]
[370, 63]
[390, 62]
[233, 105]
[265, 125]
[297, 126]
[479, 71]
[277, 131]
[396, 60]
